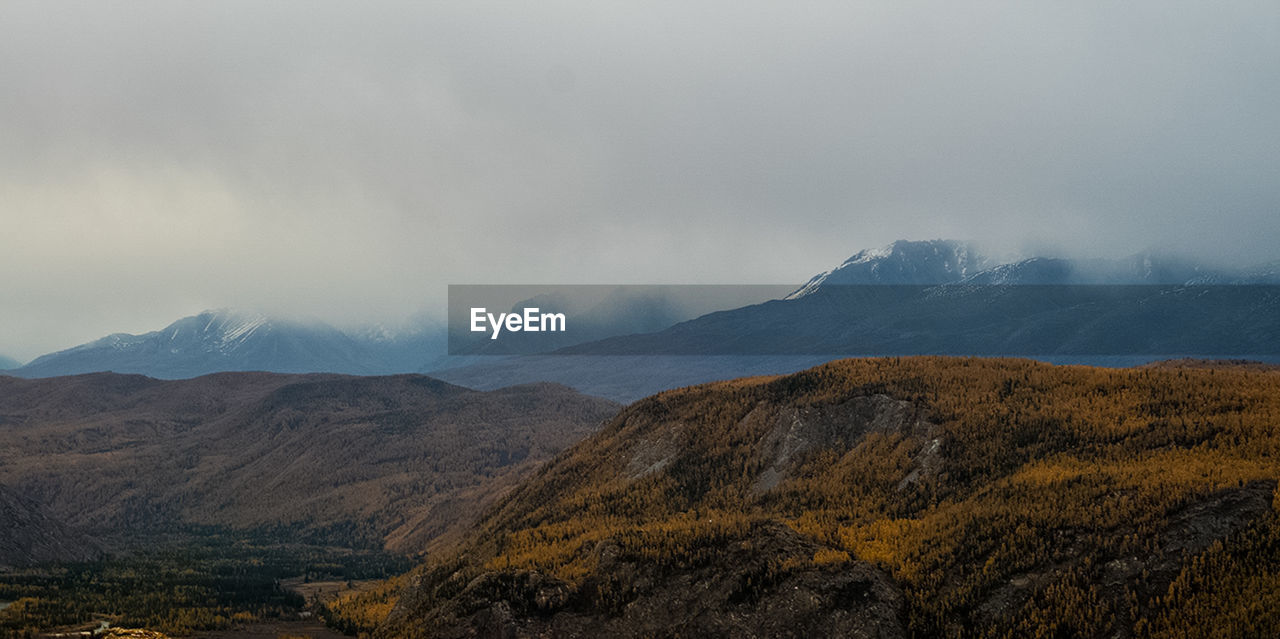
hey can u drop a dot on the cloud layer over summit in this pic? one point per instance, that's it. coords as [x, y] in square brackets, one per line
[347, 162]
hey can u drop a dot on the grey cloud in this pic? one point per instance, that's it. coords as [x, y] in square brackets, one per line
[349, 161]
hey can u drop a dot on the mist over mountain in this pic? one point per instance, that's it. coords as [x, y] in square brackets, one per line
[1031, 320]
[230, 340]
[1142, 268]
[660, 321]
[1268, 273]
[1014, 375]
[907, 262]
[415, 346]
[880, 301]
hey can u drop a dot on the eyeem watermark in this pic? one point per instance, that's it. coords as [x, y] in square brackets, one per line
[513, 319]
[1038, 320]
[533, 320]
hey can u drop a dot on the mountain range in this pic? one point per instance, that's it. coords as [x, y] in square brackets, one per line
[229, 340]
[932, 262]
[658, 325]
[943, 297]
[1082, 321]
[933, 297]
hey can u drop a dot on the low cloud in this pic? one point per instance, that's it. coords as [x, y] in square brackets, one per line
[347, 162]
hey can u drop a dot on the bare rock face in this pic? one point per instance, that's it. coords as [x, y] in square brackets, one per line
[763, 583]
[745, 590]
[799, 430]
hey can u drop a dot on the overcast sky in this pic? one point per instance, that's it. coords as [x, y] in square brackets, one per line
[336, 161]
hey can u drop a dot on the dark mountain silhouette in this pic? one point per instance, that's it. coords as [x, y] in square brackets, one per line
[621, 378]
[931, 298]
[890, 301]
[1037, 320]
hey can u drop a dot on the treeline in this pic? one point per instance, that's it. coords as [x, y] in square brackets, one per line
[958, 477]
[212, 580]
[360, 613]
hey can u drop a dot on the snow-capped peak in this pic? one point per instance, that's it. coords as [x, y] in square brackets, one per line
[902, 262]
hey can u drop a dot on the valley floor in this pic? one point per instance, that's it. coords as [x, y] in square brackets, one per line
[307, 628]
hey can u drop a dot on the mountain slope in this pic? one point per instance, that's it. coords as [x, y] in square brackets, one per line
[943, 297]
[623, 378]
[1142, 268]
[890, 497]
[1107, 312]
[395, 460]
[931, 262]
[7, 363]
[212, 341]
[229, 340]
[904, 262]
[30, 535]
[412, 347]
[1033, 320]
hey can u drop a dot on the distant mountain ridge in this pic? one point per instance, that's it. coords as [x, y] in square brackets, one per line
[943, 297]
[904, 262]
[829, 317]
[927, 262]
[230, 340]
[7, 363]
[1143, 268]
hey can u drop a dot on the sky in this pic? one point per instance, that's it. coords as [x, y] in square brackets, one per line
[346, 161]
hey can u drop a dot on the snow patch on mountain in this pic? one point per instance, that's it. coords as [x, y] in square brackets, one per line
[902, 262]
[938, 262]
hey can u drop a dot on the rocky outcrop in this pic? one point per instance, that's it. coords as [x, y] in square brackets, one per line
[748, 589]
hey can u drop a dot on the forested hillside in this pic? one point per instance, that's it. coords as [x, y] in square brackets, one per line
[887, 497]
[391, 461]
[30, 535]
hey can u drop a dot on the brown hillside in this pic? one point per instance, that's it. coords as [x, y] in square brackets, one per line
[401, 459]
[889, 497]
[30, 535]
